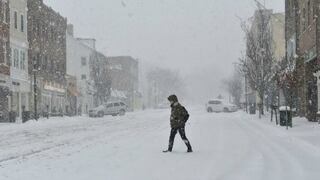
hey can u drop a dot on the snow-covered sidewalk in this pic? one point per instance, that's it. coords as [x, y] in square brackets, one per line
[231, 146]
[302, 128]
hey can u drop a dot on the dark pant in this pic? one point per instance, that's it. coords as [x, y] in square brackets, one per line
[183, 137]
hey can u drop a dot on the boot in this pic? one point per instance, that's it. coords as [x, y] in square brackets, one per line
[166, 151]
[169, 147]
[189, 146]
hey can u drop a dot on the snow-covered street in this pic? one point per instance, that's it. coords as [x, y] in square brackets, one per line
[226, 146]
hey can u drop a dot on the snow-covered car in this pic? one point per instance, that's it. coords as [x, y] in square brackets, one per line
[220, 106]
[112, 108]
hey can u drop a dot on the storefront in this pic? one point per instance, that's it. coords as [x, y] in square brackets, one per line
[71, 107]
[53, 98]
[317, 76]
[19, 97]
[311, 67]
[4, 112]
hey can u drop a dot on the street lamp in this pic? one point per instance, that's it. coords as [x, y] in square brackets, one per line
[35, 70]
[35, 88]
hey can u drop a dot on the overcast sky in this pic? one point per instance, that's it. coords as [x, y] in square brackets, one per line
[199, 38]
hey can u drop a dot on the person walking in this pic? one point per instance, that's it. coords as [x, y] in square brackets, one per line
[178, 119]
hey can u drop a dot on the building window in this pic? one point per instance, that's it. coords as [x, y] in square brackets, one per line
[22, 60]
[51, 64]
[38, 28]
[47, 63]
[83, 77]
[309, 13]
[83, 61]
[22, 23]
[293, 9]
[5, 53]
[15, 20]
[304, 24]
[16, 58]
[4, 11]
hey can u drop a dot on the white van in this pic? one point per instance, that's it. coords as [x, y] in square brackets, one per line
[218, 105]
[111, 108]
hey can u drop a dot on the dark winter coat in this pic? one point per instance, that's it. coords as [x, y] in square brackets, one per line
[178, 115]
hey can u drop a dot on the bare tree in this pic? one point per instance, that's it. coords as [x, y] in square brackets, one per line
[287, 79]
[162, 82]
[234, 86]
[258, 63]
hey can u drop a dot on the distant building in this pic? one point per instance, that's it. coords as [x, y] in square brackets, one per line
[20, 82]
[277, 25]
[278, 35]
[124, 72]
[47, 55]
[79, 52]
[100, 76]
[4, 59]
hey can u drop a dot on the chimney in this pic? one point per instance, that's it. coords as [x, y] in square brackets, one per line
[70, 29]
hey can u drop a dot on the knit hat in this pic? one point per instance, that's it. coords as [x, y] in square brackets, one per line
[173, 98]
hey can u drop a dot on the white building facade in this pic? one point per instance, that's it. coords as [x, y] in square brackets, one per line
[20, 82]
[78, 65]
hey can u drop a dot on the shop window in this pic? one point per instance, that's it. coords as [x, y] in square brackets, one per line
[22, 60]
[16, 58]
[83, 61]
[15, 18]
[22, 23]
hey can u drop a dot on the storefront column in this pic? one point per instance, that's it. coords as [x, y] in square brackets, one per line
[317, 75]
[20, 105]
[9, 102]
[19, 108]
[27, 102]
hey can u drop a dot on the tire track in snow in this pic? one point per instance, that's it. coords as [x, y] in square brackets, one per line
[247, 155]
[225, 134]
[280, 163]
[80, 134]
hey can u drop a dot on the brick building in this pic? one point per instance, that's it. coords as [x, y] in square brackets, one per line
[47, 55]
[124, 72]
[4, 58]
[20, 82]
[302, 29]
[291, 35]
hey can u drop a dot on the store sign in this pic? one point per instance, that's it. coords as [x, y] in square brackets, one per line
[52, 88]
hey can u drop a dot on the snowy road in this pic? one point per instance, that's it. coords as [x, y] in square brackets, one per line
[231, 146]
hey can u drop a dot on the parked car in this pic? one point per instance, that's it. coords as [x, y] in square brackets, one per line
[220, 106]
[112, 108]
